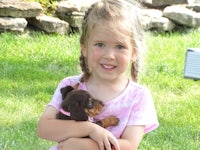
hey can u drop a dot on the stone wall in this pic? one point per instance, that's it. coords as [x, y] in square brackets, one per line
[162, 15]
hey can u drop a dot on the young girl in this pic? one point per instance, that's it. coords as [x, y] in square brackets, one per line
[111, 43]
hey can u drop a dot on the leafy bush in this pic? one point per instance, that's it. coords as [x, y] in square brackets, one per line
[47, 5]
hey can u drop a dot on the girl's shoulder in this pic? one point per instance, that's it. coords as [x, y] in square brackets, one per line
[137, 91]
[71, 80]
[136, 87]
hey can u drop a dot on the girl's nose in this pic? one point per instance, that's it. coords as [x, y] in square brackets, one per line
[109, 53]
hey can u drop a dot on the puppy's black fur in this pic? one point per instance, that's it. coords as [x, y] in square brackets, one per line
[81, 105]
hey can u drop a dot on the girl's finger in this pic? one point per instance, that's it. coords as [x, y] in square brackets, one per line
[101, 145]
[107, 145]
[114, 144]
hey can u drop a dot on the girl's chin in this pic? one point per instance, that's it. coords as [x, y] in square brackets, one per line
[109, 77]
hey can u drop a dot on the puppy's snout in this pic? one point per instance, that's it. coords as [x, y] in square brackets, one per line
[94, 107]
[98, 106]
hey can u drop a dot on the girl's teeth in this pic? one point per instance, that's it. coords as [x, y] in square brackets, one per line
[108, 67]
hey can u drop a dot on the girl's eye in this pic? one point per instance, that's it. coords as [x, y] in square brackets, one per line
[120, 47]
[99, 45]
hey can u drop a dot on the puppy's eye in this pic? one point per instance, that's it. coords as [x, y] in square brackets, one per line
[90, 104]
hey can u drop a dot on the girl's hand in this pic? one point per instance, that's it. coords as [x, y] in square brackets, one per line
[104, 138]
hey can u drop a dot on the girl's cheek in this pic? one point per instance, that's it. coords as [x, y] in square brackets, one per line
[97, 53]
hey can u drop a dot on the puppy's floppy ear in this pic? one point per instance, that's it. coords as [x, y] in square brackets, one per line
[77, 113]
[64, 91]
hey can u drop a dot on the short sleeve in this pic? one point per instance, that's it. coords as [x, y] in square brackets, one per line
[143, 111]
[57, 97]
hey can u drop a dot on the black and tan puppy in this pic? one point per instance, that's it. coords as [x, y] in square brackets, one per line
[78, 105]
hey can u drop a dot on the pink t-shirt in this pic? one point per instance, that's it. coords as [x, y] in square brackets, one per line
[134, 106]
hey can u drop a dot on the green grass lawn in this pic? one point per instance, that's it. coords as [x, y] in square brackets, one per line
[32, 65]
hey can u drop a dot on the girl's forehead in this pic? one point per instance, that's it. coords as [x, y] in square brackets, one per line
[109, 30]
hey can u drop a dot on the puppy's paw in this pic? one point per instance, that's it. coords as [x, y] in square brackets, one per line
[113, 120]
[109, 121]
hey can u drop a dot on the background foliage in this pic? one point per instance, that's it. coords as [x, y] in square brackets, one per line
[47, 5]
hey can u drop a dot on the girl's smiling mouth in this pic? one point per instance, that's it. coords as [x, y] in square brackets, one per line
[108, 66]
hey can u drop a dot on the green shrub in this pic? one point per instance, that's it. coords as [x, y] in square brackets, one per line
[47, 5]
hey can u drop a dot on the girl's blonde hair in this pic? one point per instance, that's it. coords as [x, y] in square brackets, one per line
[119, 13]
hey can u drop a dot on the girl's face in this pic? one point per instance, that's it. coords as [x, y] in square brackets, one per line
[108, 54]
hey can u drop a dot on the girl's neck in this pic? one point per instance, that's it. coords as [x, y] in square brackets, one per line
[106, 90]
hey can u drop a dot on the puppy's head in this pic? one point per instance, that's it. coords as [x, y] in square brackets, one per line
[79, 103]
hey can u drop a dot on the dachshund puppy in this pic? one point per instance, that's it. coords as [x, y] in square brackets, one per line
[78, 105]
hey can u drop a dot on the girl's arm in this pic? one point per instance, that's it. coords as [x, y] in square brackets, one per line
[57, 130]
[131, 137]
[78, 143]
[129, 141]
[53, 129]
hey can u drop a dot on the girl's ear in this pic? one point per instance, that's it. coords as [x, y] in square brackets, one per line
[84, 50]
